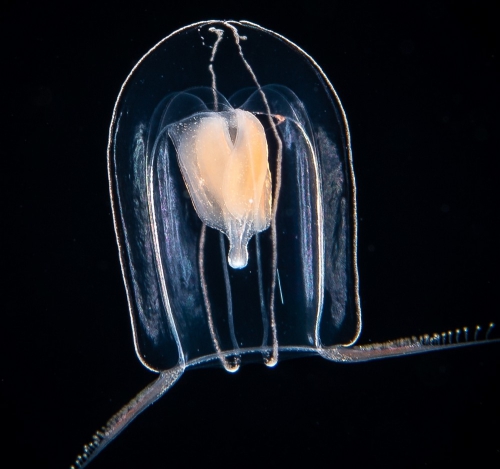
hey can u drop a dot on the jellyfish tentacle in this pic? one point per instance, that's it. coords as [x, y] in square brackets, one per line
[404, 346]
[229, 298]
[263, 311]
[228, 366]
[126, 415]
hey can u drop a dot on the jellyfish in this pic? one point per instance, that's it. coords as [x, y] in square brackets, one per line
[234, 205]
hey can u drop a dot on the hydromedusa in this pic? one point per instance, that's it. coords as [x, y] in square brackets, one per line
[234, 203]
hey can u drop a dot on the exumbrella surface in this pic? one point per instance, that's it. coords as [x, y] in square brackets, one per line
[234, 203]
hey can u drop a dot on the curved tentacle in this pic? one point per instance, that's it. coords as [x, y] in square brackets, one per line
[407, 346]
[126, 414]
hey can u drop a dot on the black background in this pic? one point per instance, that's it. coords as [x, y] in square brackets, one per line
[419, 82]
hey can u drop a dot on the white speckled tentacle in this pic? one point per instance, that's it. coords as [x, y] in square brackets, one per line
[126, 415]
